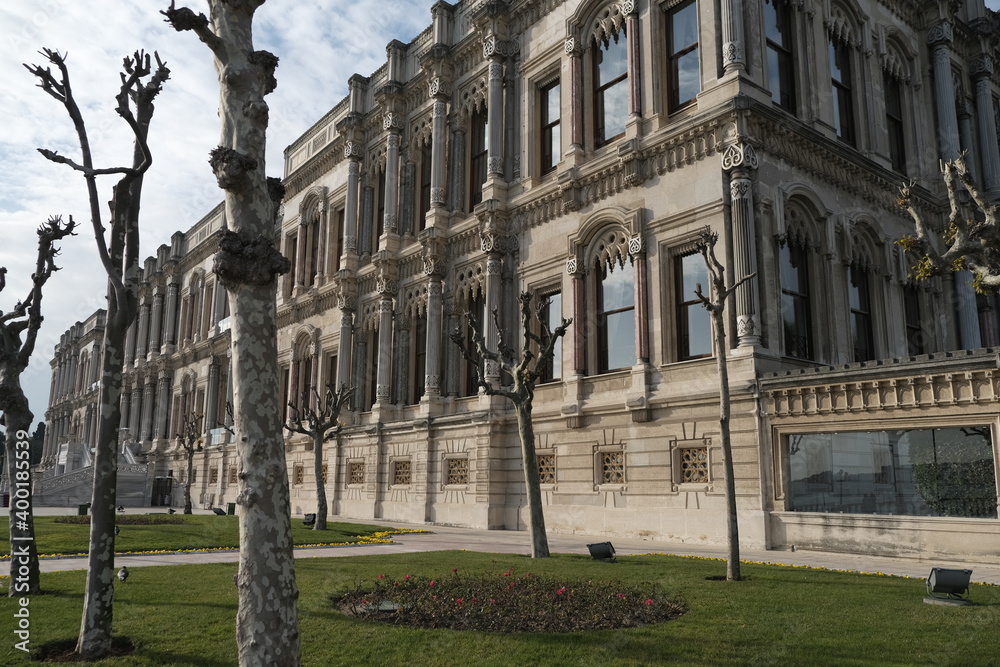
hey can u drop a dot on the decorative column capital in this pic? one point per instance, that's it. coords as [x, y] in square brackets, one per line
[574, 267]
[438, 87]
[495, 47]
[981, 66]
[392, 121]
[353, 151]
[739, 155]
[940, 34]
[573, 48]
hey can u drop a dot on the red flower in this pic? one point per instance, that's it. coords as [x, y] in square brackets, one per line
[406, 578]
[621, 596]
[492, 601]
[648, 602]
[433, 583]
[561, 591]
[455, 571]
[395, 583]
[381, 576]
[458, 601]
[364, 602]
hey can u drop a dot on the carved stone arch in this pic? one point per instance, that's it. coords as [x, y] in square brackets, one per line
[368, 318]
[896, 56]
[421, 132]
[188, 383]
[612, 234]
[472, 97]
[376, 161]
[312, 204]
[306, 336]
[196, 280]
[805, 219]
[414, 300]
[598, 21]
[470, 280]
[845, 23]
[862, 246]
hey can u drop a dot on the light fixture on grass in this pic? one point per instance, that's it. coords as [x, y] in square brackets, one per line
[949, 587]
[602, 551]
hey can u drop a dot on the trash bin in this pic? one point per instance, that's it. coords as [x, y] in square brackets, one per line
[81, 510]
[231, 509]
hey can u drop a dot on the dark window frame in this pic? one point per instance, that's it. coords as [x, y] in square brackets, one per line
[551, 141]
[781, 65]
[803, 347]
[601, 90]
[675, 53]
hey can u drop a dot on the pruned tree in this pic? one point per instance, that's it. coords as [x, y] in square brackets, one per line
[320, 422]
[524, 367]
[190, 439]
[18, 333]
[715, 304]
[247, 264]
[118, 248]
[971, 237]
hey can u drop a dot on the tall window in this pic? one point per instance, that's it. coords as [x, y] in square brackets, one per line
[683, 54]
[781, 76]
[859, 297]
[313, 249]
[479, 151]
[610, 88]
[549, 107]
[694, 324]
[615, 316]
[894, 122]
[371, 370]
[795, 317]
[843, 103]
[911, 314]
[425, 186]
[551, 315]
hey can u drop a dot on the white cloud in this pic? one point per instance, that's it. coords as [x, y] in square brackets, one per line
[320, 44]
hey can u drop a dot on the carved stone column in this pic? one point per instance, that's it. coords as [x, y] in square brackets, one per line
[495, 243]
[386, 285]
[162, 405]
[126, 404]
[630, 9]
[156, 325]
[170, 332]
[434, 269]
[939, 39]
[964, 111]
[575, 269]
[575, 116]
[495, 110]
[300, 257]
[733, 58]
[739, 160]
[324, 241]
[349, 253]
[981, 71]
[142, 333]
[390, 223]
[637, 249]
[401, 376]
[346, 302]
[458, 164]
[212, 401]
[452, 358]
[136, 409]
[967, 311]
[146, 427]
[438, 146]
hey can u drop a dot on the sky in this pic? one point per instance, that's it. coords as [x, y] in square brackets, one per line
[320, 43]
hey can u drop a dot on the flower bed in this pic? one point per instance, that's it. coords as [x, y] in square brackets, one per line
[507, 602]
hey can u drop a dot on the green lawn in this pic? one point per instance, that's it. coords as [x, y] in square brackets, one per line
[197, 532]
[184, 615]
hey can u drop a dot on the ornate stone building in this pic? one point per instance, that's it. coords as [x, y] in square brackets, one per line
[578, 150]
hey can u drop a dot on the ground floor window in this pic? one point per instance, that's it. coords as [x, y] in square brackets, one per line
[918, 472]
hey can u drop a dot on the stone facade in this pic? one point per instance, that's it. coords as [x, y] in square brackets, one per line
[579, 149]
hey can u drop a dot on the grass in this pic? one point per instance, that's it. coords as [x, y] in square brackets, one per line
[185, 615]
[196, 532]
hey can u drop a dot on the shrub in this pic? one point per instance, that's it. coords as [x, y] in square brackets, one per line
[506, 602]
[126, 519]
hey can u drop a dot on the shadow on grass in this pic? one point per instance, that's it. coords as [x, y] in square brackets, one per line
[64, 650]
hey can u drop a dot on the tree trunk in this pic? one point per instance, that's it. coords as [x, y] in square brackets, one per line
[320, 484]
[732, 525]
[95, 626]
[24, 577]
[267, 618]
[536, 517]
[187, 482]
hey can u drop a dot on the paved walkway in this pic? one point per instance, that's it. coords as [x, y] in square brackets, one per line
[506, 541]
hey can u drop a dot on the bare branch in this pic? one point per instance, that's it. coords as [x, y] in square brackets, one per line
[181, 19]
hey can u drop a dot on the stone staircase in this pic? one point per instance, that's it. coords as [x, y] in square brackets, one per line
[75, 488]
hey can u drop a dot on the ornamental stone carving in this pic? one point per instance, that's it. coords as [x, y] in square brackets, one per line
[572, 47]
[503, 48]
[352, 150]
[495, 242]
[437, 196]
[636, 245]
[628, 7]
[392, 121]
[739, 155]
[432, 381]
[732, 52]
[941, 33]
[438, 86]
[390, 222]
[440, 109]
[739, 188]
[434, 266]
[351, 243]
[496, 165]
[392, 141]
[981, 66]
[386, 286]
[493, 267]
[573, 266]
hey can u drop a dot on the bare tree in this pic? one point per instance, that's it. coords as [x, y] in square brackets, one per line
[716, 306]
[190, 440]
[518, 364]
[118, 249]
[320, 423]
[25, 319]
[247, 264]
[969, 241]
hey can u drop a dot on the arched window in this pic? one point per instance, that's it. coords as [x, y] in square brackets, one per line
[610, 87]
[615, 315]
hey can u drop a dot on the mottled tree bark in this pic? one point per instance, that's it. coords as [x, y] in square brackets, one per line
[518, 363]
[119, 253]
[320, 424]
[190, 442]
[716, 308]
[247, 264]
[25, 318]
